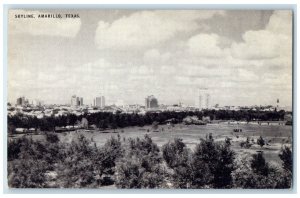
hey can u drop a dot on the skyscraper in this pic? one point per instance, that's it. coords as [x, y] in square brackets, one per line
[76, 101]
[203, 99]
[80, 101]
[21, 101]
[99, 102]
[151, 102]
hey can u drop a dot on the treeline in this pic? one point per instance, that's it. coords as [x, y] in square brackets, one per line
[105, 120]
[140, 163]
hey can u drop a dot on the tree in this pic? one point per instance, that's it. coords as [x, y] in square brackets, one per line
[260, 141]
[141, 165]
[212, 164]
[72, 119]
[286, 157]
[259, 164]
[177, 157]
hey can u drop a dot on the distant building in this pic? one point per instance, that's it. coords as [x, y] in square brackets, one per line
[203, 99]
[76, 101]
[151, 102]
[22, 101]
[80, 101]
[99, 102]
[37, 103]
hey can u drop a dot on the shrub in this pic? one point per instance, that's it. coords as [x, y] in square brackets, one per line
[246, 144]
[52, 137]
[260, 141]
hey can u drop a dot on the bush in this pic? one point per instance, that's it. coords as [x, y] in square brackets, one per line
[52, 137]
[246, 144]
[260, 141]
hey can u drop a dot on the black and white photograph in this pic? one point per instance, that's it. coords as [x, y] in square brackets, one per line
[150, 99]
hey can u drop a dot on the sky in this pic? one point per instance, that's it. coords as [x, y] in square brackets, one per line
[241, 57]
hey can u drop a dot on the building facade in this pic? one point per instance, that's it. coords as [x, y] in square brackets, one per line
[76, 101]
[22, 101]
[99, 102]
[203, 99]
[151, 102]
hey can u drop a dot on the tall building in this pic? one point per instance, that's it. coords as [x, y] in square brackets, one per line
[80, 101]
[203, 99]
[37, 102]
[99, 101]
[151, 102]
[207, 102]
[22, 101]
[76, 101]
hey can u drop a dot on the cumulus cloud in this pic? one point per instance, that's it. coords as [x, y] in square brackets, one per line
[274, 41]
[155, 56]
[205, 45]
[42, 26]
[148, 28]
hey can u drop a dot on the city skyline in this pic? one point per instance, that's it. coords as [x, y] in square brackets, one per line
[203, 103]
[241, 62]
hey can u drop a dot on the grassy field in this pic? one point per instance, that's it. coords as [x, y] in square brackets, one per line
[276, 135]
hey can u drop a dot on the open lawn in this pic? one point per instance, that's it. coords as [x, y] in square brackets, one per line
[275, 135]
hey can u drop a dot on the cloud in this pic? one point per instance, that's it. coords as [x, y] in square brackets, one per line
[155, 56]
[64, 27]
[205, 45]
[148, 28]
[274, 41]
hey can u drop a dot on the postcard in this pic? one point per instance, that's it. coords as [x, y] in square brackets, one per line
[150, 98]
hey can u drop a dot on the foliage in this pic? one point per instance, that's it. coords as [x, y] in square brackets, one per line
[260, 141]
[246, 144]
[286, 157]
[177, 157]
[256, 173]
[52, 138]
[86, 165]
[105, 120]
[141, 166]
[212, 164]
[259, 164]
[139, 163]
